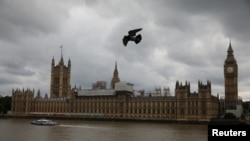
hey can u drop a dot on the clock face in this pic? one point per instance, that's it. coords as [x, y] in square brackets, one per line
[230, 69]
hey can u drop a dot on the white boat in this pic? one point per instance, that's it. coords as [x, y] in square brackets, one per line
[45, 122]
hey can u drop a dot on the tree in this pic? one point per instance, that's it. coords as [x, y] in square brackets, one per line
[246, 107]
[5, 104]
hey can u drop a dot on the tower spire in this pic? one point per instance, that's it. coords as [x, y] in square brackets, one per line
[53, 61]
[61, 50]
[115, 78]
[230, 46]
[115, 65]
[230, 53]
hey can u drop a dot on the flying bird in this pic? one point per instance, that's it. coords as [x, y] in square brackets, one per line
[132, 36]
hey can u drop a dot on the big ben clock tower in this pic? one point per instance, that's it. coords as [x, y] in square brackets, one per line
[231, 79]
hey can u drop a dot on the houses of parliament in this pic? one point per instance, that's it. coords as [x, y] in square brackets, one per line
[121, 101]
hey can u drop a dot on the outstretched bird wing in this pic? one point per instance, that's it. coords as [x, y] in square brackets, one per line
[125, 40]
[133, 32]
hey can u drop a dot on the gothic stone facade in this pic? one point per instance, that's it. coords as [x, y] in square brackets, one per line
[201, 106]
[119, 103]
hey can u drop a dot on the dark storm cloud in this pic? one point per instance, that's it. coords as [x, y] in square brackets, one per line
[233, 15]
[6, 81]
[30, 17]
[14, 68]
[26, 34]
[194, 35]
[181, 40]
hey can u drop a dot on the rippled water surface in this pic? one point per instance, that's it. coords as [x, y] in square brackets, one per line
[83, 130]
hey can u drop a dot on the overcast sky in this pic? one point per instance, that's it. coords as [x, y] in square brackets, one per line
[182, 40]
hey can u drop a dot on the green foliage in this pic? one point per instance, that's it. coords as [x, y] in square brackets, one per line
[5, 104]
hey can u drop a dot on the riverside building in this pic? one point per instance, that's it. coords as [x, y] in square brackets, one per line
[121, 101]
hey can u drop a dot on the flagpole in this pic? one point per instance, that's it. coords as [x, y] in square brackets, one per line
[61, 50]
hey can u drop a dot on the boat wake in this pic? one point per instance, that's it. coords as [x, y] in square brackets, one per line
[78, 126]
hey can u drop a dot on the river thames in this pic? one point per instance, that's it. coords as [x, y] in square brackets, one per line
[84, 130]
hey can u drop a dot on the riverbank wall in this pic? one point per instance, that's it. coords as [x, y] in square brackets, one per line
[96, 118]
